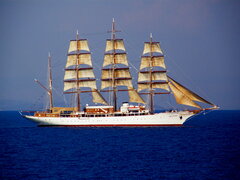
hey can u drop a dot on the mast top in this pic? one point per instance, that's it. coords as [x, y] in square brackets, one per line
[151, 37]
[113, 30]
[77, 36]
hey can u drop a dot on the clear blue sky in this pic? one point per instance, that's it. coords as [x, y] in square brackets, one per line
[200, 39]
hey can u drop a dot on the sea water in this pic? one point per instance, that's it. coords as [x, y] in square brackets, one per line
[206, 147]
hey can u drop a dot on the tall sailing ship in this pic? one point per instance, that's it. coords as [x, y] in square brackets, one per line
[79, 78]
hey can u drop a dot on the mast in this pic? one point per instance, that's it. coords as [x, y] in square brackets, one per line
[114, 75]
[114, 66]
[113, 35]
[150, 78]
[151, 69]
[49, 89]
[50, 82]
[77, 76]
[79, 73]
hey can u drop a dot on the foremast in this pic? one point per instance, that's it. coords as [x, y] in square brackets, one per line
[79, 76]
[115, 71]
[152, 72]
[153, 75]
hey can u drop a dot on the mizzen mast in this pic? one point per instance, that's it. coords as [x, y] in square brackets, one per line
[49, 88]
[50, 81]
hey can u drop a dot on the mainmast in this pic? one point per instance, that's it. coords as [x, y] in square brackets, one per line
[115, 71]
[114, 66]
[151, 70]
[77, 76]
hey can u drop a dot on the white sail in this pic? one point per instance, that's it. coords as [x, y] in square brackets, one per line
[143, 87]
[118, 73]
[114, 44]
[78, 45]
[124, 82]
[106, 84]
[119, 58]
[97, 97]
[89, 84]
[145, 76]
[157, 61]
[134, 96]
[118, 82]
[161, 86]
[86, 73]
[182, 98]
[191, 95]
[69, 85]
[152, 47]
[81, 83]
[82, 73]
[74, 59]
[70, 74]
[146, 86]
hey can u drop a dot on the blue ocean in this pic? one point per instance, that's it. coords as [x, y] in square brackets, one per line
[206, 147]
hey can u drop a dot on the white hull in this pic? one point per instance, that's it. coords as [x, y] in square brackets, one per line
[158, 119]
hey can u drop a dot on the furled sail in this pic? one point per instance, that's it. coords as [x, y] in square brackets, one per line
[191, 95]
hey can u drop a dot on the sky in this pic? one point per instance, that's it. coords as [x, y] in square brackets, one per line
[200, 40]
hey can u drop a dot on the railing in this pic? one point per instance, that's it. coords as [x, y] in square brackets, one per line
[48, 114]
